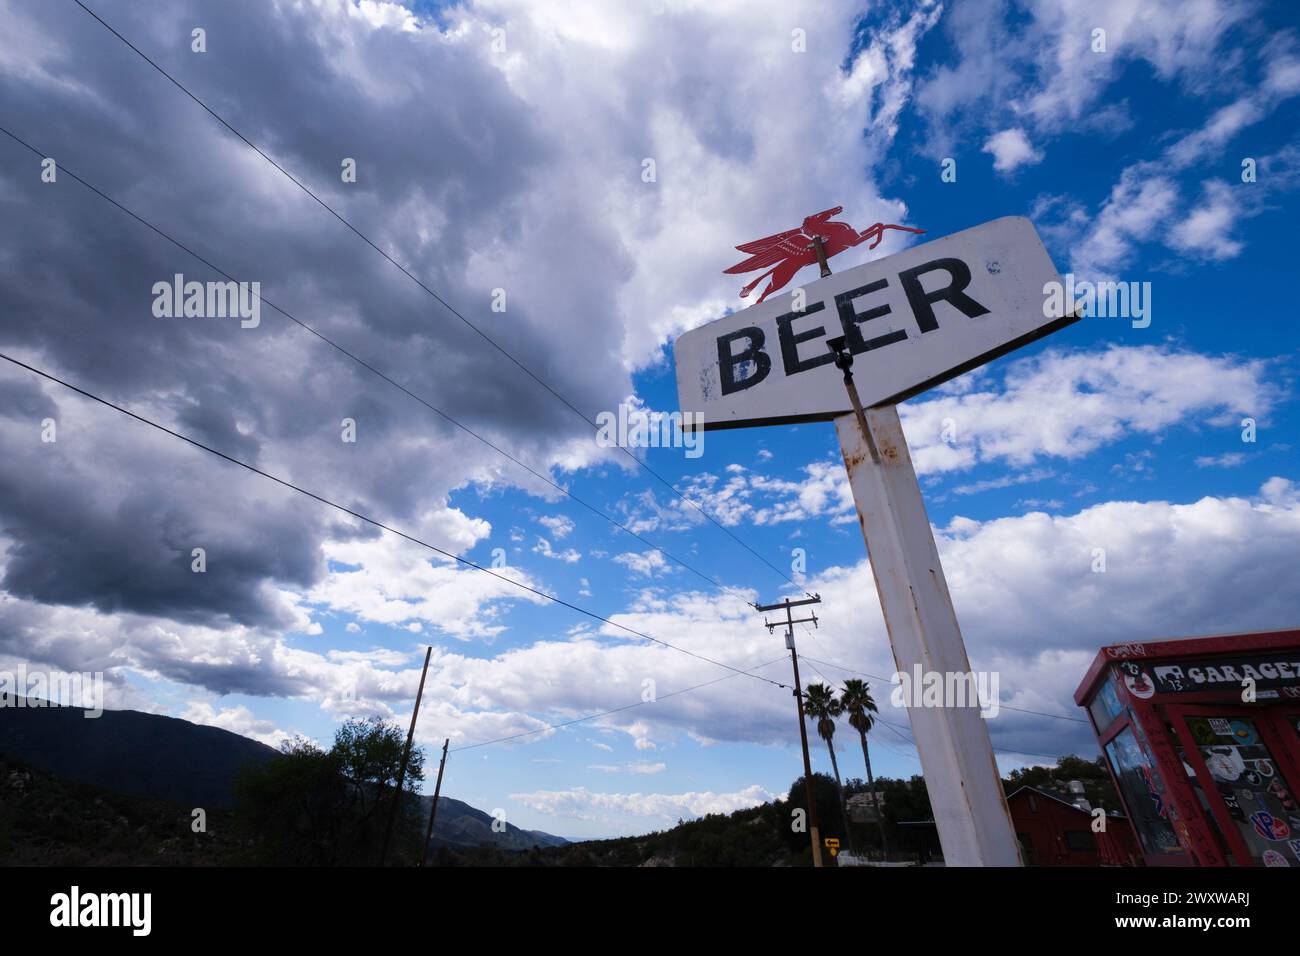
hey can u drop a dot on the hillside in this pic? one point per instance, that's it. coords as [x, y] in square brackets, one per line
[52, 821]
[148, 755]
[188, 765]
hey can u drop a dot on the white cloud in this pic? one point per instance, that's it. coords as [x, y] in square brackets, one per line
[1206, 232]
[1029, 604]
[389, 581]
[1229, 459]
[645, 768]
[1042, 71]
[1011, 149]
[1057, 404]
[239, 720]
[1134, 212]
[716, 156]
[646, 563]
[568, 555]
[559, 526]
[378, 656]
[1146, 203]
[584, 804]
[639, 767]
[1068, 404]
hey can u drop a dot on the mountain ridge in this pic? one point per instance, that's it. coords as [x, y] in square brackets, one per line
[192, 765]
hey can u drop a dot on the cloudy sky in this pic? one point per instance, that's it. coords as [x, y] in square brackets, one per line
[502, 145]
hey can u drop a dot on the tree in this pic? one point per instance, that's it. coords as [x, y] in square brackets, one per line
[369, 752]
[1096, 780]
[312, 807]
[291, 805]
[826, 797]
[857, 701]
[821, 706]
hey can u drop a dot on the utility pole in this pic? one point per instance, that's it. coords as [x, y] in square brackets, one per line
[789, 623]
[433, 811]
[406, 756]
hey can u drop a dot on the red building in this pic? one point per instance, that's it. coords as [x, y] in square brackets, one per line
[1054, 832]
[1202, 737]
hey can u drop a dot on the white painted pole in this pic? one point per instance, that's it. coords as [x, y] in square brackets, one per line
[961, 774]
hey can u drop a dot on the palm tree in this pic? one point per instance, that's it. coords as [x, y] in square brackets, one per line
[857, 701]
[821, 705]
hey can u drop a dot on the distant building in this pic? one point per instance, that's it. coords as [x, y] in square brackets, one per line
[1055, 832]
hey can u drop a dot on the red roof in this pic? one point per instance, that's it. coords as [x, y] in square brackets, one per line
[1172, 647]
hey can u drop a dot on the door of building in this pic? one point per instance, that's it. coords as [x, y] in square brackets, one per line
[1245, 759]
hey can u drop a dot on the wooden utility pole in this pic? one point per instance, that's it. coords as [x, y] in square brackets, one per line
[433, 811]
[406, 756]
[809, 795]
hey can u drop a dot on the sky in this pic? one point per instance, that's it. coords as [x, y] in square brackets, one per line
[501, 153]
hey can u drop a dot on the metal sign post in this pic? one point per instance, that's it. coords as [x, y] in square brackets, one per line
[961, 773]
[913, 320]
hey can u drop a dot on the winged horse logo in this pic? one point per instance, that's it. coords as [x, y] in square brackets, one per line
[788, 252]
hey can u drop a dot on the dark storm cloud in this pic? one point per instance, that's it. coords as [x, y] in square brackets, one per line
[444, 151]
[82, 535]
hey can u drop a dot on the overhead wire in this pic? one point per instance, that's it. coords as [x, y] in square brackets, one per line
[614, 710]
[65, 170]
[373, 521]
[438, 298]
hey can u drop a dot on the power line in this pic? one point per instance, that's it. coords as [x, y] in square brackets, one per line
[364, 364]
[1001, 750]
[877, 717]
[439, 299]
[615, 710]
[1022, 710]
[372, 521]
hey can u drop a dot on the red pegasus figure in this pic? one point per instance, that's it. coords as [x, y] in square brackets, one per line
[788, 252]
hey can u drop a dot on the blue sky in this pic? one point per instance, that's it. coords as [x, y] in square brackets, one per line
[1128, 161]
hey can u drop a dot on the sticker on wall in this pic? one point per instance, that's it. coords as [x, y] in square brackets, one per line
[1234, 808]
[1294, 847]
[1263, 767]
[1254, 779]
[1154, 792]
[1221, 726]
[1224, 763]
[1283, 796]
[1137, 682]
[1273, 858]
[1269, 826]
[1203, 733]
[1244, 734]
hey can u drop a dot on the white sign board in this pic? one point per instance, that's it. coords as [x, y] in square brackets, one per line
[913, 320]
